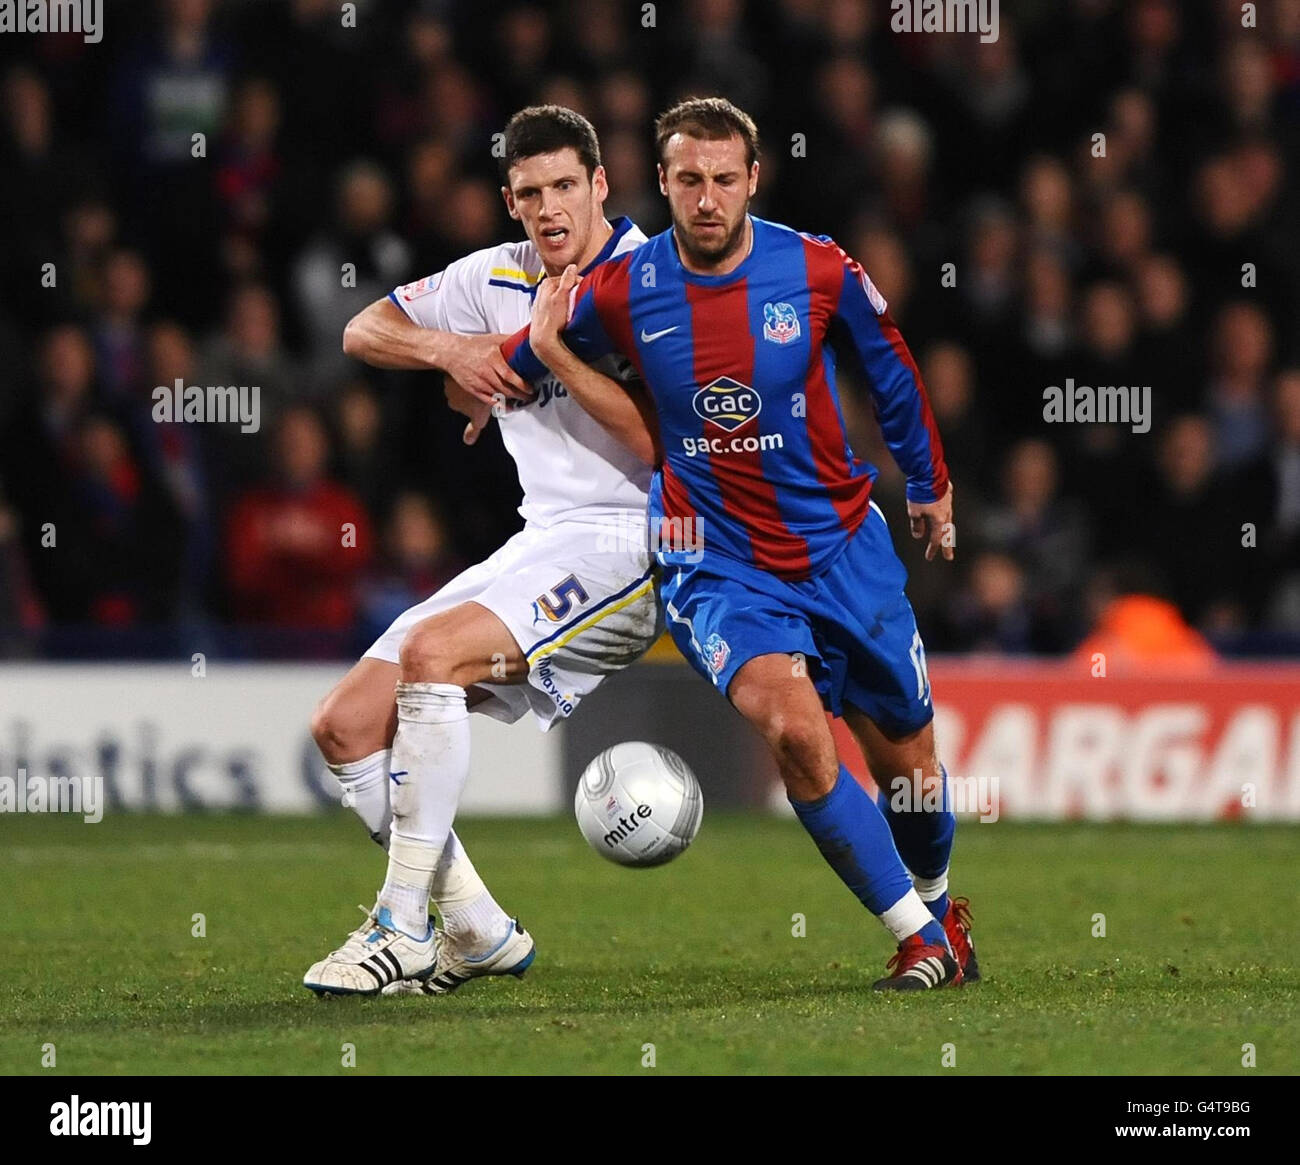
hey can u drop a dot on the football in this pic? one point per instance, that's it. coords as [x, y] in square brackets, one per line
[638, 804]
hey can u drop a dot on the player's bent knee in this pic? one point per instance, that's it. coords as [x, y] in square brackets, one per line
[789, 737]
[805, 754]
[330, 732]
[424, 656]
[430, 655]
[322, 727]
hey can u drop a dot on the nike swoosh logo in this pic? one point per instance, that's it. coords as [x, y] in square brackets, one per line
[393, 776]
[651, 337]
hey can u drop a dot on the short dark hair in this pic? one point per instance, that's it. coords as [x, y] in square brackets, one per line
[544, 129]
[711, 119]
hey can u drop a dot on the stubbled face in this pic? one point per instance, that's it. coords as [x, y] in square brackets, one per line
[708, 187]
[559, 206]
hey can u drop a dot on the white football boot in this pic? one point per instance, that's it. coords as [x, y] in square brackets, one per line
[513, 955]
[375, 955]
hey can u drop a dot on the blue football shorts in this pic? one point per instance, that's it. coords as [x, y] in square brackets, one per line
[852, 625]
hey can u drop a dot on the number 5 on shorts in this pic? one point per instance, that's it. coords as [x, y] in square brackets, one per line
[559, 602]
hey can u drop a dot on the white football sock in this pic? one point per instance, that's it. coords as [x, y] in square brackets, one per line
[428, 771]
[908, 915]
[931, 889]
[470, 915]
[365, 792]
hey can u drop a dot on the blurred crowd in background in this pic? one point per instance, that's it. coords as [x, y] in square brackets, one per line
[328, 145]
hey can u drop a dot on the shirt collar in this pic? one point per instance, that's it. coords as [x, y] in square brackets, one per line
[621, 226]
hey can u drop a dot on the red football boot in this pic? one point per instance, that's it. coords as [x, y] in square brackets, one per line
[956, 924]
[918, 966]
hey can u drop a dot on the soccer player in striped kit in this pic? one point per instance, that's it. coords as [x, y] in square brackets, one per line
[789, 598]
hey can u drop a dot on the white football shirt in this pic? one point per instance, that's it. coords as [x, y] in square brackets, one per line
[570, 468]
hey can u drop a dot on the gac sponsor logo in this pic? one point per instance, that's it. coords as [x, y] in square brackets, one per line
[750, 444]
[727, 403]
[627, 826]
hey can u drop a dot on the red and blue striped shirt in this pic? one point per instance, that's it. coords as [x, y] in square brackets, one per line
[742, 367]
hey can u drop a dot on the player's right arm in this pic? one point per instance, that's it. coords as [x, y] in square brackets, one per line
[437, 323]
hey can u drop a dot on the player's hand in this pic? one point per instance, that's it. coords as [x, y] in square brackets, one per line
[477, 365]
[552, 306]
[933, 521]
[460, 400]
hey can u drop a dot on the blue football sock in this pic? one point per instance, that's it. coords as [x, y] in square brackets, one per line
[856, 842]
[923, 836]
[932, 932]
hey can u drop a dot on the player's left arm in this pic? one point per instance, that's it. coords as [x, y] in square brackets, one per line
[902, 408]
[625, 411]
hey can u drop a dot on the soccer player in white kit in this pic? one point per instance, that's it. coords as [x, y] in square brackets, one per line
[535, 627]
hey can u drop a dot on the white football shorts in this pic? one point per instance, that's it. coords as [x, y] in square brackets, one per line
[580, 600]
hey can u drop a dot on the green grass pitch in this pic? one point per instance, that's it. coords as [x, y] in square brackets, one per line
[98, 955]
